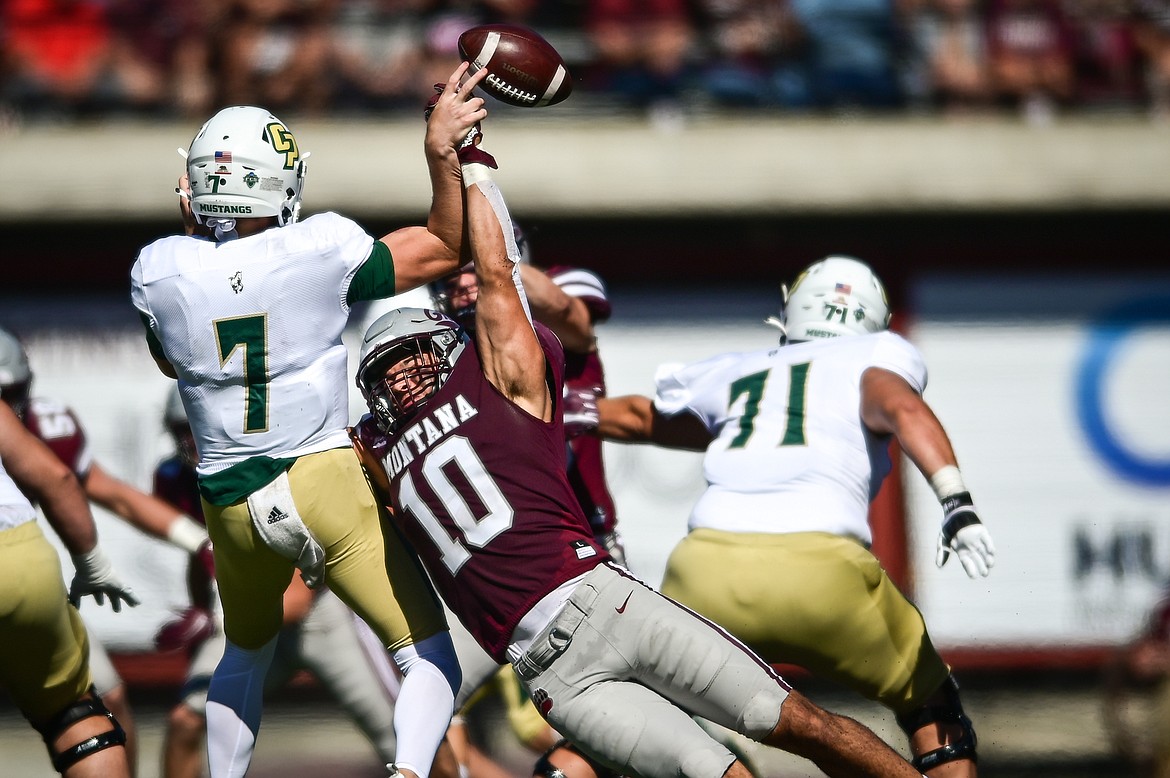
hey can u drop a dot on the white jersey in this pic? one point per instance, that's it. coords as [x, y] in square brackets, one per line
[15, 508]
[790, 452]
[253, 328]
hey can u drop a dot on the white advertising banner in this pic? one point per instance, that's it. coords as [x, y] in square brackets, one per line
[1061, 423]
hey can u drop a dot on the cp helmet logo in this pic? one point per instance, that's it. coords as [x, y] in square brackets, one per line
[284, 143]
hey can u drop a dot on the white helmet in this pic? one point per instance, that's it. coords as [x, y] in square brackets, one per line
[245, 163]
[435, 337]
[15, 374]
[835, 296]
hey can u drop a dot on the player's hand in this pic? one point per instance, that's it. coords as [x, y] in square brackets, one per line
[453, 115]
[580, 407]
[95, 575]
[964, 535]
[193, 626]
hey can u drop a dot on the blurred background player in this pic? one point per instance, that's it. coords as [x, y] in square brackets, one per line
[44, 662]
[57, 425]
[246, 309]
[320, 635]
[797, 444]
[466, 440]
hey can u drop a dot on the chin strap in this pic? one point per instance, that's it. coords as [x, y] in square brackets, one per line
[224, 229]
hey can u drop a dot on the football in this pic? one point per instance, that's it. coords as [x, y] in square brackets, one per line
[523, 68]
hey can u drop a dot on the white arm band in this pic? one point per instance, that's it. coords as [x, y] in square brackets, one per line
[496, 198]
[947, 481]
[475, 172]
[187, 534]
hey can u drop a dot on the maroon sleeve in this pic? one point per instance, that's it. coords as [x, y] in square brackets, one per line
[62, 432]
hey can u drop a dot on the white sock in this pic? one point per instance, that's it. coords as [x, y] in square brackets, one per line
[430, 678]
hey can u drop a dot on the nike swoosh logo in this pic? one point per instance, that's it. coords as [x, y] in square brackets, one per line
[624, 604]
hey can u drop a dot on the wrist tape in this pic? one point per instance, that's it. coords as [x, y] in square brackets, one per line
[946, 482]
[474, 173]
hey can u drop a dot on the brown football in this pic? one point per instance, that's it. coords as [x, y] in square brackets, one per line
[523, 68]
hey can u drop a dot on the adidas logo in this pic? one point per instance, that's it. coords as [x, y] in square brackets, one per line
[276, 514]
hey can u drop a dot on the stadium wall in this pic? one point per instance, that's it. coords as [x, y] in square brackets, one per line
[1054, 394]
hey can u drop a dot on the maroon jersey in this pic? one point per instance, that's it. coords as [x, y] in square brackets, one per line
[584, 371]
[177, 484]
[479, 489]
[61, 431]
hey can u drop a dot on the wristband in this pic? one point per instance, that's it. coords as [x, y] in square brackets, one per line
[93, 563]
[946, 482]
[955, 504]
[187, 534]
[474, 173]
[958, 512]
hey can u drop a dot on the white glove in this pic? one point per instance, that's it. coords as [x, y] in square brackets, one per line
[95, 575]
[964, 534]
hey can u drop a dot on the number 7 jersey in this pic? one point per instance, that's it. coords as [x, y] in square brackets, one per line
[790, 452]
[253, 328]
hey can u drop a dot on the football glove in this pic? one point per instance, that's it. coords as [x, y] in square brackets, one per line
[580, 407]
[95, 575]
[192, 627]
[964, 535]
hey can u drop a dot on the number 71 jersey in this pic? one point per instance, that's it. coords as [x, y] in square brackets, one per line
[253, 328]
[790, 453]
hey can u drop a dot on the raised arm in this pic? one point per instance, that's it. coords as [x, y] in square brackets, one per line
[424, 255]
[633, 418]
[567, 316]
[510, 352]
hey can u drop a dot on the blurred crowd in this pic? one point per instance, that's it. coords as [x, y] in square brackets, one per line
[185, 58]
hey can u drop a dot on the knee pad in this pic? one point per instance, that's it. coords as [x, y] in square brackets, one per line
[950, 712]
[85, 708]
[544, 767]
